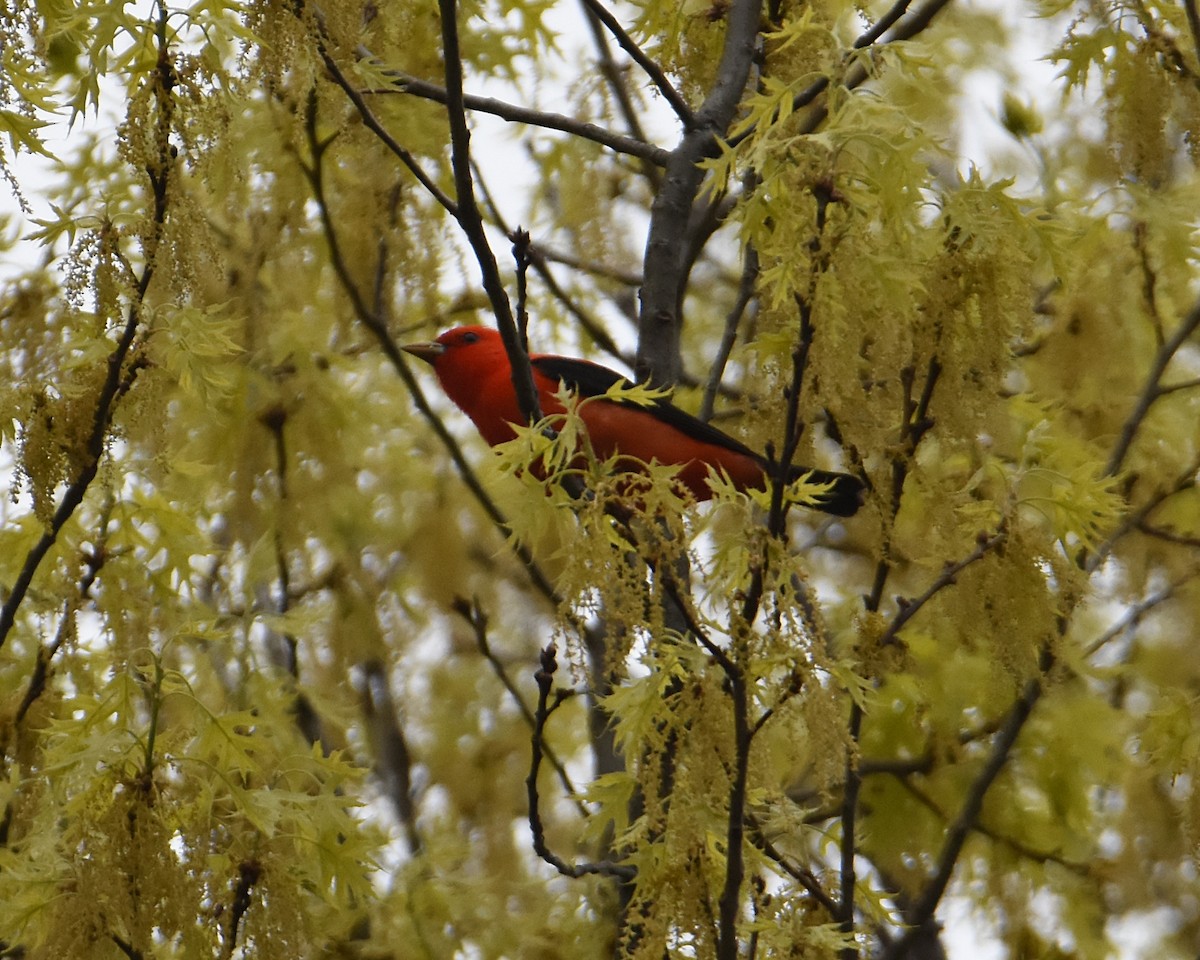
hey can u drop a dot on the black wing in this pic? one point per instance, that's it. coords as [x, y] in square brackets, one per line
[592, 380]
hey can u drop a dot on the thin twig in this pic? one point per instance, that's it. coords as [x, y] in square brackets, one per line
[131, 952]
[802, 875]
[730, 903]
[915, 424]
[615, 78]
[371, 122]
[537, 260]
[733, 320]
[855, 73]
[956, 834]
[471, 222]
[393, 758]
[378, 328]
[906, 609]
[514, 113]
[93, 560]
[1137, 613]
[249, 873]
[883, 24]
[849, 824]
[118, 378]
[1021, 849]
[1193, 19]
[545, 682]
[473, 614]
[1153, 389]
[520, 249]
[1136, 519]
[651, 69]
[1168, 536]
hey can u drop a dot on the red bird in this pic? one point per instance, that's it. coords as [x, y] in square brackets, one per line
[472, 366]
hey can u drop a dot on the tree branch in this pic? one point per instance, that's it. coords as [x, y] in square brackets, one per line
[93, 560]
[545, 682]
[659, 320]
[477, 620]
[1153, 389]
[371, 122]
[1193, 19]
[926, 904]
[855, 74]
[618, 143]
[651, 69]
[801, 875]
[378, 328]
[907, 609]
[914, 425]
[1021, 849]
[393, 758]
[118, 378]
[472, 223]
[249, 873]
[730, 903]
[883, 24]
[1135, 614]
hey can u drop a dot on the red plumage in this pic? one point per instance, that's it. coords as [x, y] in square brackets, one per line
[473, 368]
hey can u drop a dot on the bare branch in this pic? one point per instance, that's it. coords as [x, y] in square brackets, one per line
[545, 682]
[956, 834]
[393, 759]
[907, 609]
[629, 146]
[652, 69]
[473, 614]
[659, 322]
[472, 223]
[118, 375]
[1153, 389]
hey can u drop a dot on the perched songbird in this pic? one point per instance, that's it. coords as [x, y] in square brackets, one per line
[472, 366]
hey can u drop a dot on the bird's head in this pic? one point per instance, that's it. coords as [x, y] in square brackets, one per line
[461, 352]
[472, 366]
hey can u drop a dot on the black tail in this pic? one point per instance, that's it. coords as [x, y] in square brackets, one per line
[842, 499]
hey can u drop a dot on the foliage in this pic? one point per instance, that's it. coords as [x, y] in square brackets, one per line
[290, 666]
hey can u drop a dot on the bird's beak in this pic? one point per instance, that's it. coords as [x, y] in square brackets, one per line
[427, 350]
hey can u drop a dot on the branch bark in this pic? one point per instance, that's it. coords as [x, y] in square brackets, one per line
[659, 320]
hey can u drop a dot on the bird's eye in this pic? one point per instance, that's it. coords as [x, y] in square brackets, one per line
[470, 338]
